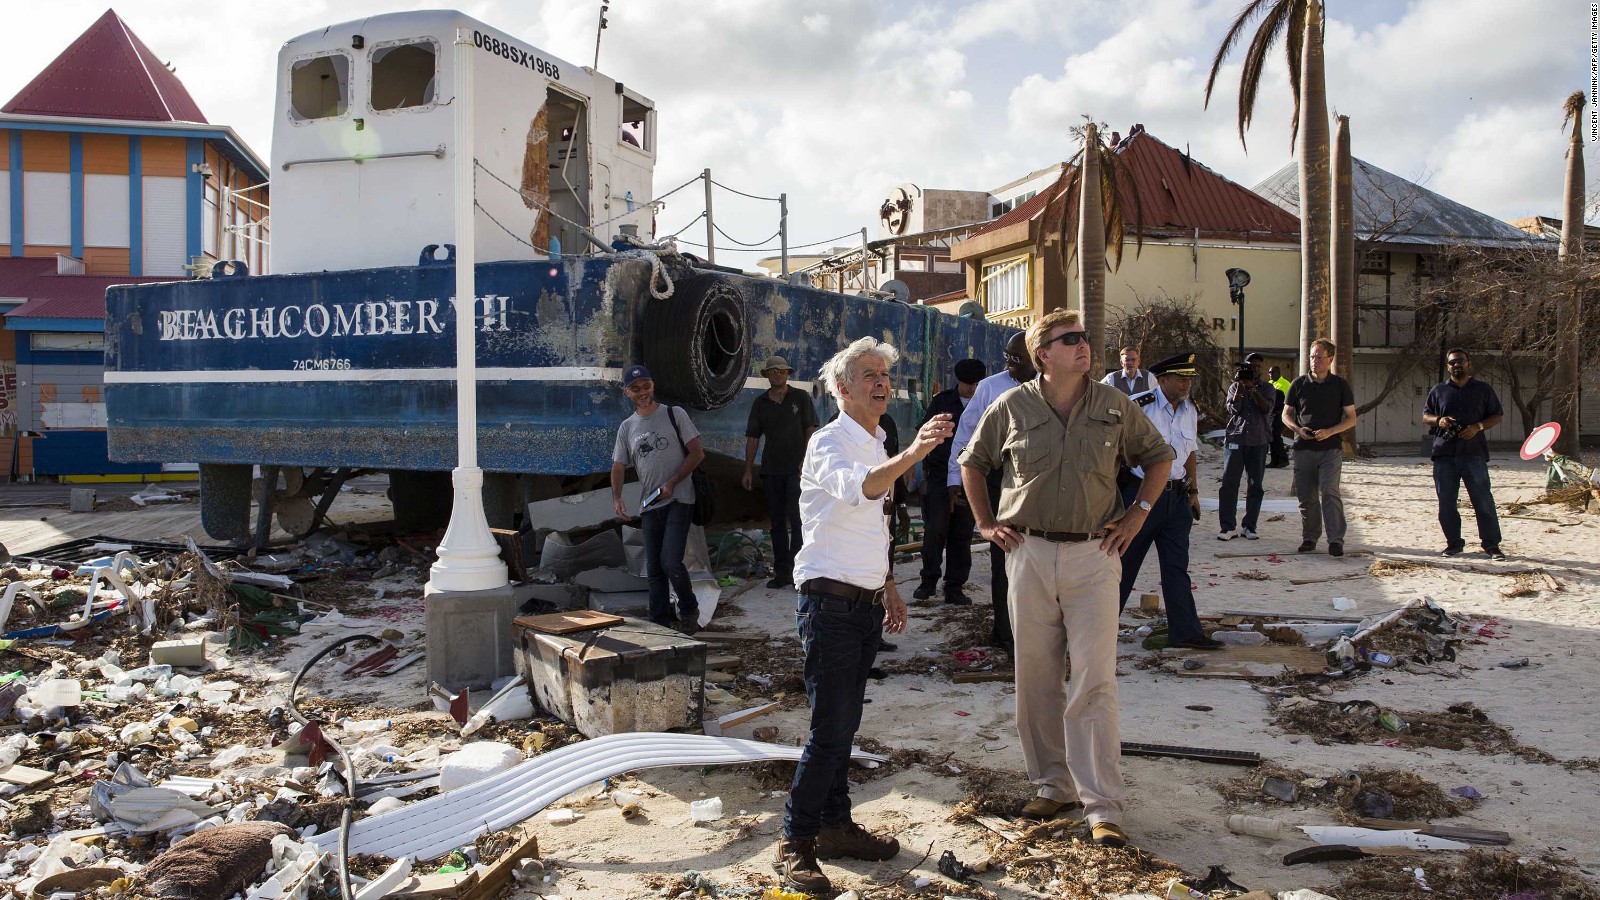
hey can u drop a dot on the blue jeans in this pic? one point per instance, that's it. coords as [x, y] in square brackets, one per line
[1167, 527]
[840, 641]
[666, 531]
[1449, 473]
[1251, 462]
[783, 508]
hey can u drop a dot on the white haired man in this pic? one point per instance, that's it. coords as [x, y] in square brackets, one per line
[1059, 440]
[847, 601]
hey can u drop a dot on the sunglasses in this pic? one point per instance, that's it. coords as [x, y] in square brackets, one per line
[1456, 362]
[1070, 338]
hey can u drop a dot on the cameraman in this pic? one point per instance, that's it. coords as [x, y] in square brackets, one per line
[1460, 411]
[1250, 405]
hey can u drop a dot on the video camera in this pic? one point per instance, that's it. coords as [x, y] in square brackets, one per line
[1448, 432]
[1245, 371]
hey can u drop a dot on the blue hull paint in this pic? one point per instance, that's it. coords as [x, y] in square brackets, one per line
[585, 313]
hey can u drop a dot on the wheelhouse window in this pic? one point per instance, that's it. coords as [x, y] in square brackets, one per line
[638, 122]
[403, 74]
[319, 87]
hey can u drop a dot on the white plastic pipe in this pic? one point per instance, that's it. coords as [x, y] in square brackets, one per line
[431, 828]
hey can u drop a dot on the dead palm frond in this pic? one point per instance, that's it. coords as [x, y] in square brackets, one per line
[1059, 225]
[1284, 19]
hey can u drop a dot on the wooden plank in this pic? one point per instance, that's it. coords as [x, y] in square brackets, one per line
[1345, 577]
[1247, 554]
[27, 776]
[434, 887]
[499, 875]
[724, 662]
[1451, 832]
[981, 677]
[745, 715]
[568, 622]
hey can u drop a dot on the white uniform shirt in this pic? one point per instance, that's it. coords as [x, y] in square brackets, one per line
[987, 392]
[846, 533]
[1181, 428]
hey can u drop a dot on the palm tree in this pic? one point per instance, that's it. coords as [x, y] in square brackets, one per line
[1300, 24]
[1569, 309]
[1084, 224]
[1342, 271]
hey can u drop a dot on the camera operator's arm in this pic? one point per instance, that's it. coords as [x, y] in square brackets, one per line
[1264, 399]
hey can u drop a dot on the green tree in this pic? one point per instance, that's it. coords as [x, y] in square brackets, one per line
[1084, 218]
[1300, 24]
[1569, 309]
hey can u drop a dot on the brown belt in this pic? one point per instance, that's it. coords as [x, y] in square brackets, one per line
[1063, 537]
[841, 590]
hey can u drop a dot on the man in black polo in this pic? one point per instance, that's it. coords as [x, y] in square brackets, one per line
[948, 519]
[1460, 410]
[786, 417]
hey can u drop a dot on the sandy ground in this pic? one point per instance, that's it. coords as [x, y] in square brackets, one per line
[1175, 810]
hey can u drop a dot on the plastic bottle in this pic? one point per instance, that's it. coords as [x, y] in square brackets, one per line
[58, 692]
[707, 810]
[12, 748]
[1259, 826]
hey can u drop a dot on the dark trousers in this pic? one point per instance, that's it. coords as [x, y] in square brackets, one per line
[947, 539]
[1279, 449]
[999, 584]
[1449, 473]
[1252, 463]
[1167, 527]
[666, 531]
[840, 640]
[783, 508]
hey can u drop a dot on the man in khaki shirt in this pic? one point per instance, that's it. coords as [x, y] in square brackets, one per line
[1058, 440]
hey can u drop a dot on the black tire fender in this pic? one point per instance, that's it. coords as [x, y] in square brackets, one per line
[697, 342]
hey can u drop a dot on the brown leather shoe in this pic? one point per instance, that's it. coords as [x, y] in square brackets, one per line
[1109, 834]
[855, 842]
[1042, 808]
[797, 863]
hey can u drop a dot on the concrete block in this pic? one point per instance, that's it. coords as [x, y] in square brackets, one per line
[83, 500]
[566, 596]
[566, 559]
[580, 510]
[611, 579]
[190, 652]
[621, 602]
[469, 638]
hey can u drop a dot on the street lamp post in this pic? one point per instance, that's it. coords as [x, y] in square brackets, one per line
[1238, 280]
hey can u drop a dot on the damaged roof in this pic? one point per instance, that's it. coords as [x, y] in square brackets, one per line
[107, 73]
[1395, 210]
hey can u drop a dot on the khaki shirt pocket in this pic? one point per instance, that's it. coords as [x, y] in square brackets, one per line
[1029, 446]
[1101, 443]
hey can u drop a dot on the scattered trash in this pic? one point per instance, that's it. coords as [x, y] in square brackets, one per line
[1514, 663]
[1280, 789]
[1467, 792]
[214, 864]
[1375, 803]
[475, 762]
[1258, 826]
[1189, 665]
[707, 810]
[953, 868]
[1343, 604]
[1391, 721]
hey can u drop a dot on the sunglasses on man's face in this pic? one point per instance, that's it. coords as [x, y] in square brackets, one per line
[1456, 362]
[1070, 338]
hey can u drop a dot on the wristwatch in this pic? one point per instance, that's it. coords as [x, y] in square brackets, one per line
[1144, 505]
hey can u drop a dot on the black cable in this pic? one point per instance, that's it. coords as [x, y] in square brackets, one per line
[345, 891]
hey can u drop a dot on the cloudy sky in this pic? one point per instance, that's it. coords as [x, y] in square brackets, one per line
[837, 101]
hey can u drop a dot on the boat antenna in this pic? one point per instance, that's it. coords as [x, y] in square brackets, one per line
[598, 31]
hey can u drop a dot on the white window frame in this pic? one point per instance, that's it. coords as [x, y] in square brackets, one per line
[1014, 274]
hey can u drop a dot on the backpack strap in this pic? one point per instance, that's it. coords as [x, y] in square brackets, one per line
[674, 420]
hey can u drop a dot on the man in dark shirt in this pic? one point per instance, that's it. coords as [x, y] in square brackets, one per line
[786, 417]
[1320, 407]
[1279, 456]
[948, 539]
[1460, 411]
[1250, 427]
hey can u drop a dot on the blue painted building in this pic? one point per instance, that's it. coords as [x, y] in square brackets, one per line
[109, 174]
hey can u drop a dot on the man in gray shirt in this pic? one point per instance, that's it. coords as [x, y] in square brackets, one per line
[663, 447]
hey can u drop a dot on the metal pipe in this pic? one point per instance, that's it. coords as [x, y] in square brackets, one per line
[437, 153]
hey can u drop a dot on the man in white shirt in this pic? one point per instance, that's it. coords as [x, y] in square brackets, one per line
[1130, 379]
[847, 601]
[1177, 509]
[1018, 368]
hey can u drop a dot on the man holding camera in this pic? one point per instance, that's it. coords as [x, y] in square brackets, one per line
[1460, 410]
[1250, 405]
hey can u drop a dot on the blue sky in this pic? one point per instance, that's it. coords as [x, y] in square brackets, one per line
[838, 101]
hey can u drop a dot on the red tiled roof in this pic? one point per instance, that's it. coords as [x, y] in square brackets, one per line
[52, 296]
[941, 298]
[1177, 196]
[107, 73]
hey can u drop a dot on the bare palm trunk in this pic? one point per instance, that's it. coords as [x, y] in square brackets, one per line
[1315, 212]
[1342, 272]
[1569, 308]
[1092, 244]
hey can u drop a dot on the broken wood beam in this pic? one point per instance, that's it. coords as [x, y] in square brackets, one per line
[498, 875]
[1345, 577]
[981, 677]
[1449, 832]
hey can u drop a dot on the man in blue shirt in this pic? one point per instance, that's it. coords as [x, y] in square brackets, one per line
[1177, 509]
[1460, 411]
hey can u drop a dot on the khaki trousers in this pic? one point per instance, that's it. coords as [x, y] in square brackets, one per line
[1064, 599]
